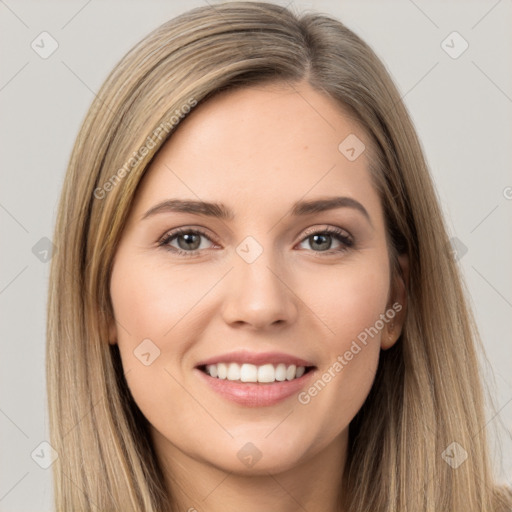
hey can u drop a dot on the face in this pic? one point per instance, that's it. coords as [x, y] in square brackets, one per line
[285, 305]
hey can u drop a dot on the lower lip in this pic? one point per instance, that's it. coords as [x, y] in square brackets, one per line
[251, 394]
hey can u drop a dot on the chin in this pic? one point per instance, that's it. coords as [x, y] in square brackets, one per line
[261, 463]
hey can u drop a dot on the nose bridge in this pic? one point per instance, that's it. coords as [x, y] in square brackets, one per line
[257, 293]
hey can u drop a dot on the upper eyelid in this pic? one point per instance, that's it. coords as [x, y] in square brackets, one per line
[327, 229]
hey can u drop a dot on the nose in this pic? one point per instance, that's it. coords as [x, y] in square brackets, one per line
[259, 295]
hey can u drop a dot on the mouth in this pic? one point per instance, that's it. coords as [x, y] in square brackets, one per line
[262, 374]
[255, 380]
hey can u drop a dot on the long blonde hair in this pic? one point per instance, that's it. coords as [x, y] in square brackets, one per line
[427, 393]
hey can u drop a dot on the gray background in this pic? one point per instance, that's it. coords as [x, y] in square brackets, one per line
[461, 107]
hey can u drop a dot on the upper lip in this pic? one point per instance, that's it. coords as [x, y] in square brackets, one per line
[256, 358]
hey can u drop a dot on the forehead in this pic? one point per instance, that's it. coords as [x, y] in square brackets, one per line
[261, 146]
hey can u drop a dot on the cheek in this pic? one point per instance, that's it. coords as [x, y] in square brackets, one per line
[147, 300]
[350, 301]
[157, 320]
[352, 308]
[358, 304]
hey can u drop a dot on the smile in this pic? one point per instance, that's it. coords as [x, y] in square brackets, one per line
[246, 372]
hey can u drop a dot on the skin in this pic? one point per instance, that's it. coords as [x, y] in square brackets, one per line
[257, 150]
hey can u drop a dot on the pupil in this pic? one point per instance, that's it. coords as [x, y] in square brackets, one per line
[189, 240]
[325, 245]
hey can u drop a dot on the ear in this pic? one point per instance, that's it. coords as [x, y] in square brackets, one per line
[112, 331]
[397, 303]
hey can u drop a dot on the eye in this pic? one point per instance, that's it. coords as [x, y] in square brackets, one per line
[322, 240]
[188, 241]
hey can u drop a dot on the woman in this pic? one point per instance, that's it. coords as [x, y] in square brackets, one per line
[204, 352]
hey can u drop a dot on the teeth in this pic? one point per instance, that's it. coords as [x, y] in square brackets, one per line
[251, 373]
[222, 371]
[233, 371]
[248, 373]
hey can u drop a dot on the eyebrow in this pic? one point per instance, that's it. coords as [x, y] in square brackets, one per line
[221, 211]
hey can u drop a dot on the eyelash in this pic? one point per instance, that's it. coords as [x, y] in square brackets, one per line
[339, 234]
